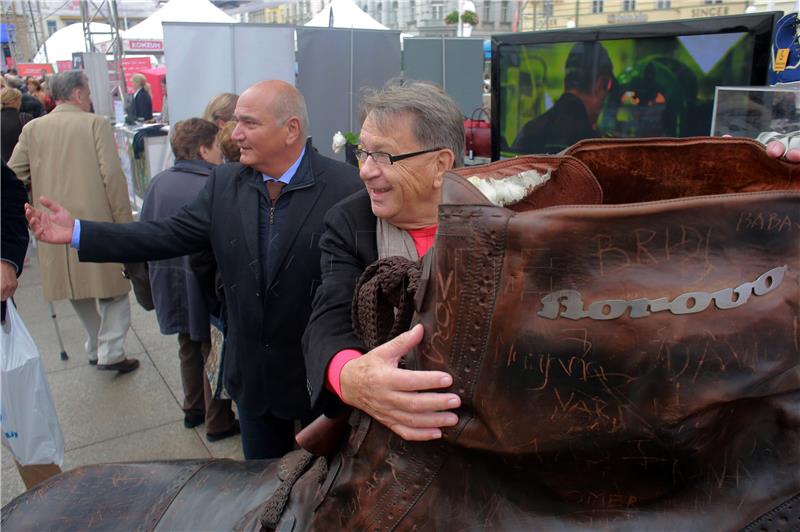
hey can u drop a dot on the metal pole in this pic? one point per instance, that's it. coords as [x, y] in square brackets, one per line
[117, 43]
[33, 23]
[64, 355]
[87, 37]
[44, 35]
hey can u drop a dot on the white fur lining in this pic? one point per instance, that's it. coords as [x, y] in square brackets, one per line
[512, 189]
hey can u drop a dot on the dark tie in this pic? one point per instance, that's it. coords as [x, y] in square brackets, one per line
[274, 190]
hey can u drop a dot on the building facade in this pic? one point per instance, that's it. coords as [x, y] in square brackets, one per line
[536, 15]
[427, 17]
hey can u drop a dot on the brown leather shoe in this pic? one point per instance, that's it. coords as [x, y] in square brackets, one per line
[126, 366]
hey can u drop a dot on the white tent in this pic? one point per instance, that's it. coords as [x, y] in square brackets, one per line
[61, 44]
[345, 15]
[176, 11]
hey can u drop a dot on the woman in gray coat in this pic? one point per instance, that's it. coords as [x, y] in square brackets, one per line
[179, 299]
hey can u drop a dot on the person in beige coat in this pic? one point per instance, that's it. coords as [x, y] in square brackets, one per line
[70, 154]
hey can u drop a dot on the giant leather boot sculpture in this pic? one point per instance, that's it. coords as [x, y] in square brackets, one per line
[625, 341]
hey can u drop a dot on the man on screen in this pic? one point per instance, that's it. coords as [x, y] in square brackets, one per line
[588, 78]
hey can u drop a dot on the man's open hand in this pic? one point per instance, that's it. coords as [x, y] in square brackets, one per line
[54, 227]
[373, 383]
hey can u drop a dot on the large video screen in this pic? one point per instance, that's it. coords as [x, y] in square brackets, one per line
[552, 89]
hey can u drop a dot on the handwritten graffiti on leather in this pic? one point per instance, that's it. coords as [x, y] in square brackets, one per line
[688, 303]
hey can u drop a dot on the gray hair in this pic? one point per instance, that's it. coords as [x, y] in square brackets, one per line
[63, 83]
[289, 103]
[15, 82]
[438, 121]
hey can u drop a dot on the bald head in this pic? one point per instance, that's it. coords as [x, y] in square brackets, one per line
[281, 100]
[271, 125]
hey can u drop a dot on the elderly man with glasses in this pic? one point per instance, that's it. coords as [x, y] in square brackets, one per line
[413, 133]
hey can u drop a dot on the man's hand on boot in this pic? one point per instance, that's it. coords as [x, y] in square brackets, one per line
[396, 397]
[776, 149]
[54, 227]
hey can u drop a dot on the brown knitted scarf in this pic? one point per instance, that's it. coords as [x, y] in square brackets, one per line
[383, 302]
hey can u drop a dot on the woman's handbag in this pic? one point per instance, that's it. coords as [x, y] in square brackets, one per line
[139, 276]
[478, 134]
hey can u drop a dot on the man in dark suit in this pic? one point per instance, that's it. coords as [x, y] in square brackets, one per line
[588, 79]
[14, 234]
[263, 218]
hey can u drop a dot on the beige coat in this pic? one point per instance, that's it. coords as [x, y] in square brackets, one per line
[70, 156]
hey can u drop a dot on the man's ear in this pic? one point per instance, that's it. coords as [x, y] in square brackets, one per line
[444, 162]
[204, 151]
[293, 128]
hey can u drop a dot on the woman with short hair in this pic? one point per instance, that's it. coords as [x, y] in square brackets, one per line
[220, 108]
[142, 106]
[178, 295]
[11, 121]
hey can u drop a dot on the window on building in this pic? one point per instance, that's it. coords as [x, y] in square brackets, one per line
[412, 12]
[547, 8]
[51, 27]
[487, 11]
[597, 6]
[663, 4]
[629, 5]
[392, 18]
[504, 11]
[437, 12]
[711, 2]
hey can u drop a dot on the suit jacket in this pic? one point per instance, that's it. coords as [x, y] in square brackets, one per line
[560, 127]
[13, 227]
[10, 128]
[263, 368]
[70, 156]
[180, 301]
[32, 106]
[142, 105]
[348, 246]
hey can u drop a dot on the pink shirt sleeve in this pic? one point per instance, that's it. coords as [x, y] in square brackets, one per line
[334, 373]
[423, 240]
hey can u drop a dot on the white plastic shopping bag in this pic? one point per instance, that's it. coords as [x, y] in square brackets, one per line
[28, 419]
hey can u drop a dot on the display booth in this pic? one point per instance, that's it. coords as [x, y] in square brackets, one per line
[334, 66]
[454, 63]
[207, 59]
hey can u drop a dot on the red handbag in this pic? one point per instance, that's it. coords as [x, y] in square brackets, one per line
[478, 134]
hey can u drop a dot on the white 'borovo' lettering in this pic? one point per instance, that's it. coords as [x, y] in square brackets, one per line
[689, 303]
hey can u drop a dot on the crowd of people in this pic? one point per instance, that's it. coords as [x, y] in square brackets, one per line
[256, 234]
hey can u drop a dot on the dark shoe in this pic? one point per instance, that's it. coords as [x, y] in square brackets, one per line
[126, 366]
[216, 436]
[190, 420]
[92, 362]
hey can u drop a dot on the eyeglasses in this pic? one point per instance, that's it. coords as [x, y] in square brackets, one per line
[387, 158]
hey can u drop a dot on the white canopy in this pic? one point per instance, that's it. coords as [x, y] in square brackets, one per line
[61, 44]
[176, 11]
[345, 15]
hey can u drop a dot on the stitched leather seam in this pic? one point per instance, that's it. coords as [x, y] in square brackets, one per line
[773, 194]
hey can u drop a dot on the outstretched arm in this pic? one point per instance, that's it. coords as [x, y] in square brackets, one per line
[53, 226]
